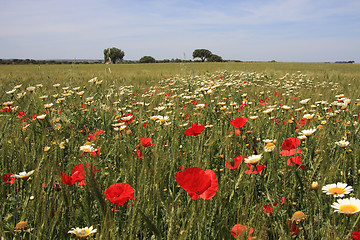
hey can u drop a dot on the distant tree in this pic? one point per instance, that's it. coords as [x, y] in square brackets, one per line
[203, 54]
[147, 59]
[215, 58]
[113, 55]
[176, 60]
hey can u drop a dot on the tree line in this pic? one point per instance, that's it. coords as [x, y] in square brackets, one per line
[116, 55]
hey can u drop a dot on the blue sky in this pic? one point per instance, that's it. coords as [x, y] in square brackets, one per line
[249, 30]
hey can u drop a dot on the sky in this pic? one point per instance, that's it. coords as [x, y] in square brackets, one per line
[247, 30]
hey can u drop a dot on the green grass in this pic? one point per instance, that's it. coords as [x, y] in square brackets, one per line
[162, 209]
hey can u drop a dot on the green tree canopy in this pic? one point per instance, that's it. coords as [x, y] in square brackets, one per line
[203, 54]
[215, 58]
[147, 59]
[113, 55]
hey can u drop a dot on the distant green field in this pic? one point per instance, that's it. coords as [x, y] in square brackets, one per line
[153, 72]
[180, 151]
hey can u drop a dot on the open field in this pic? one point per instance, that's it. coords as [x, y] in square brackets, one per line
[196, 150]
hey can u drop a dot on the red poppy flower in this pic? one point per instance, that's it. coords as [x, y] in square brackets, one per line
[8, 178]
[238, 122]
[195, 129]
[5, 109]
[197, 182]
[289, 146]
[145, 142]
[356, 235]
[241, 106]
[138, 154]
[21, 115]
[290, 143]
[33, 117]
[257, 169]
[237, 161]
[93, 136]
[303, 122]
[240, 230]
[268, 208]
[77, 175]
[293, 227]
[119, 193]
[96, 152]
[262, 102]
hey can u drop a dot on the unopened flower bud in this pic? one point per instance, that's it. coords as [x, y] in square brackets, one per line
[314, 185]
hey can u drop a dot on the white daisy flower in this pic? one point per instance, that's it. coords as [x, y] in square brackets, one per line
[87, 148]
[307, 132]
[347, 206]
[41, 117]
[83, 232]
[309, 116]
[338, 190]
[343, 143]
[24, 174]
[253, 159]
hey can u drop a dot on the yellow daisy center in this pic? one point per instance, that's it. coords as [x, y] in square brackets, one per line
[336, 190]
[82, 233]
[348, 209]
[270, 145]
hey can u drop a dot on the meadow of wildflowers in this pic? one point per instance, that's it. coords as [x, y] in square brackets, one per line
[180, 151]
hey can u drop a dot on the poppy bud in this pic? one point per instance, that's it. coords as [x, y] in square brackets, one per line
[57, 187]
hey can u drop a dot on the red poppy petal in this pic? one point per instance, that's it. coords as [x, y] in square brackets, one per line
[78, 169]
[146, 142]
[256, 170]
[290, 152]
[290, 143]
[211, 191]
[294, 160]
[238, 229]
[195, 129]
[67, 179]
[237, 161]
[228, 165]
[8, 178]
